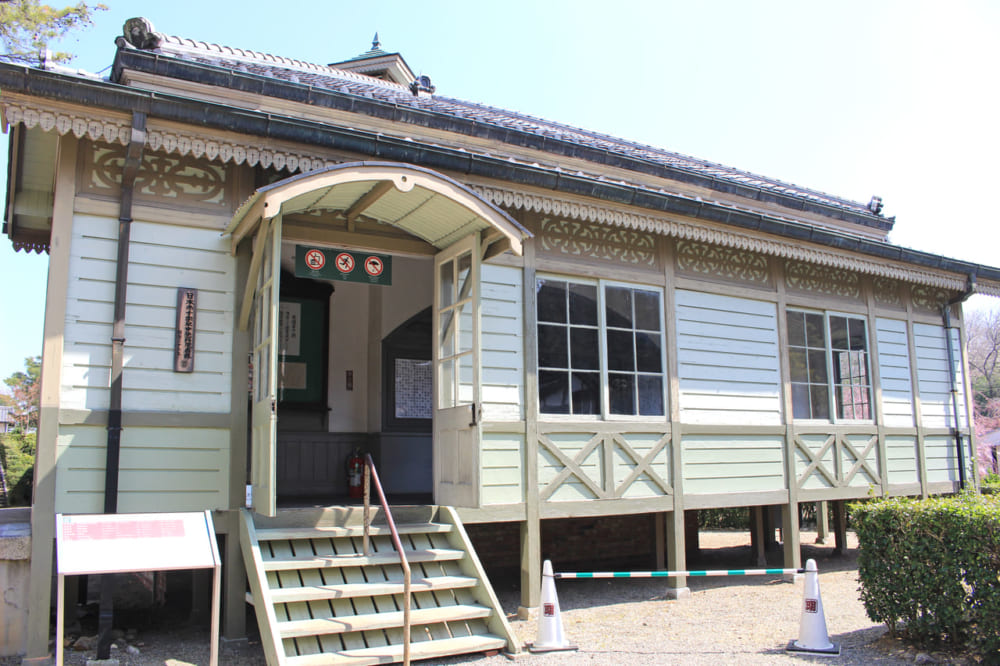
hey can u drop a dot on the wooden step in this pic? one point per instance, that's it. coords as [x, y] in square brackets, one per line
[394, 653]
[351, 590]
[359, 560]
[418, 616]
[274, 533]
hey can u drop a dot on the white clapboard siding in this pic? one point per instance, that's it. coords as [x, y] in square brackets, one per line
[933, 376]
[161, 259]
[894, 370]
[727, 352]
[502, 336]
[501, 461]
[161, 469]
[732, 464]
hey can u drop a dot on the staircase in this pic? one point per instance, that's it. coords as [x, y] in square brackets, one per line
[320, 600]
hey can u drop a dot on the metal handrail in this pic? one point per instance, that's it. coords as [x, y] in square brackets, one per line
[372, 475]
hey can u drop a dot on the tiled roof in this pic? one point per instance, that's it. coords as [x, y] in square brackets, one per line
[329, 78]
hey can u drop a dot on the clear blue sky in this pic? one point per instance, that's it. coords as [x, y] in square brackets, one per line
[855, 98]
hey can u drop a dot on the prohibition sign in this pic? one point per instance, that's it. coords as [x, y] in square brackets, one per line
[315, 259]
[374, 266]
[345, 262]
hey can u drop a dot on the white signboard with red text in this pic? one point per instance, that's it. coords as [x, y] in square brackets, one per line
[127, 542]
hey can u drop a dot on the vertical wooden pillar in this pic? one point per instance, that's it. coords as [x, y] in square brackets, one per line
[790, 536]
[676, 561]
[839, 527]
[822, 523]
[531, 529]
[757, 536]
[44, 506]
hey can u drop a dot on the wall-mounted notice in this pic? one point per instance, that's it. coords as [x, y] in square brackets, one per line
[187, 320]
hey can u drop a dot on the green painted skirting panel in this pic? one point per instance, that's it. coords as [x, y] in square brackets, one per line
[161, 469]
[901, 460]
[942, 462]
[502, 456]
[732, 464]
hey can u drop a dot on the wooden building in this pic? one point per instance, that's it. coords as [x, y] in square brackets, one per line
[520, 320]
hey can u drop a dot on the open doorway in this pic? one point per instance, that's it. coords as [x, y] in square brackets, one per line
[354, 374]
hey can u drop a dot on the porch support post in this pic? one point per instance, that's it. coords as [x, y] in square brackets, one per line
[676, 556]
[790, 510]
[43, 510]
[531, 530]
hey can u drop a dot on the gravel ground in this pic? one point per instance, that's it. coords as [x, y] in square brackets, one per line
[746, 620]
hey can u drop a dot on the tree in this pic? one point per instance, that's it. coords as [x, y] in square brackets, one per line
[982, 329]
[25, 393]
[27, 27]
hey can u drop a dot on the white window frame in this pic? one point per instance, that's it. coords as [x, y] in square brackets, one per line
[830, 383]
[602, 341]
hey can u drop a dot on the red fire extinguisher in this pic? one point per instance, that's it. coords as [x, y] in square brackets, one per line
[355, 472]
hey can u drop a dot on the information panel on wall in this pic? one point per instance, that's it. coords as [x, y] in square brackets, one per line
[343, 265]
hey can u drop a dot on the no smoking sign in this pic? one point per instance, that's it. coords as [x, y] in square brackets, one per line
[343, 265]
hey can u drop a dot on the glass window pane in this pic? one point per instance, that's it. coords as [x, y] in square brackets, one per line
[820, 400]
[797, 329]
[815, 331]
[647, 310]
[618, 307]
[621, 390]
[447, 283]
[800, 401]
[551, 301]
[446, 384]
[838, 333]
[447, 335]
[553, 392]
[647, 348]
[651, 396]
[817, 366]
[586, 393]
[621, 350]
[584, 348]
[464, 267]
[552, 351]
[583, 304]
[859, 340]
[797, 365]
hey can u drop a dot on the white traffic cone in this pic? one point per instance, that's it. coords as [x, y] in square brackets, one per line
[812, 628]
[551, 637]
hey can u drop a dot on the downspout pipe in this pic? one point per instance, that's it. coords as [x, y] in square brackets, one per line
[970, 289]
[133, 160]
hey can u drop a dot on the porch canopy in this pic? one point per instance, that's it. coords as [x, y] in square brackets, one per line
[419, 201]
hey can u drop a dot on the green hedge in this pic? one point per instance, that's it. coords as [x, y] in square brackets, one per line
[17, 454]
[930, 569]
[990, 484]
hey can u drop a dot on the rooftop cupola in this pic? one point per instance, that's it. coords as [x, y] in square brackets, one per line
[378, 64]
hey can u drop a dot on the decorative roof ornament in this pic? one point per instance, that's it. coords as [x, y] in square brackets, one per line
[139, 32]
[376, 44]
[421, 86]
[875, 205]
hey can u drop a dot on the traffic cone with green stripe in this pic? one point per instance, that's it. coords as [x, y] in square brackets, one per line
[813, 638]
[551, 637]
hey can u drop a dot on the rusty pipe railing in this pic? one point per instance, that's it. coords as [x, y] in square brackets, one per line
[372, 475]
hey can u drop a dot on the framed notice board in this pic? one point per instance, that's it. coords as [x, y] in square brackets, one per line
[303, 334]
